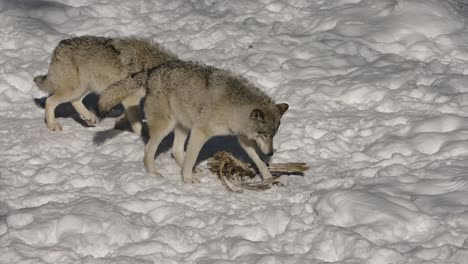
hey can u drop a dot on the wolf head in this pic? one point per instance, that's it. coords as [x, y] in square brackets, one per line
[263, 125]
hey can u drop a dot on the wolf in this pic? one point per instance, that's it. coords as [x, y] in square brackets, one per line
[85, 64]
[206, 101]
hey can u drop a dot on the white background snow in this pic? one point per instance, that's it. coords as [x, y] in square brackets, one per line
[378, 94]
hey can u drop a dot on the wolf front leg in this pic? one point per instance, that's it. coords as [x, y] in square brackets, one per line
[249, 147]
[159, 128]
[132, 112]
[196, 141]
[180, 135]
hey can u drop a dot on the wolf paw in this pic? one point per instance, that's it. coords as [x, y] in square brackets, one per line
[121, 124]
[90, 121]
[155, 173]
[191, 180]
[54, 126]
[137, 128]
[266, 174]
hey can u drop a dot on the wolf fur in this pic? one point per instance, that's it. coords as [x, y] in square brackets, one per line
[208, 102]
[120, 90]
[90, 64]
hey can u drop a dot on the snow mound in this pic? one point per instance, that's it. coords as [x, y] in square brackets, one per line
[87, 226]
[379, 218]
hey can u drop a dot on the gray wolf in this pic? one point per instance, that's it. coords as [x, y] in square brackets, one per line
[85, 64]
[188, 97]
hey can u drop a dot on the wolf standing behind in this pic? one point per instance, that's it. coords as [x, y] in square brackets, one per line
[89, 64]
[185, 96]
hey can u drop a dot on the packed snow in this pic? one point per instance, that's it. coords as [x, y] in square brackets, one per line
[378, 95]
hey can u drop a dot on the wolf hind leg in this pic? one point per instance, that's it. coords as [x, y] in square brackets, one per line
[59, 97]
[51, 103]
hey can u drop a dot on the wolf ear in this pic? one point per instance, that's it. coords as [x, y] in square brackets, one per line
[282, 107]
[257, 115]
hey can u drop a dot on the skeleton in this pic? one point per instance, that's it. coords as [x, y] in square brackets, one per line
[236, 175]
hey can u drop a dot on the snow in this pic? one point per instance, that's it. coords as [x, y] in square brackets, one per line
[378, 101]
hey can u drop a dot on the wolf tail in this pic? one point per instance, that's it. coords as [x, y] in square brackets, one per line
[119, 91]
[43, 84]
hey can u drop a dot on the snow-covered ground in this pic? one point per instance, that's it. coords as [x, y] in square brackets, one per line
[378, 94]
